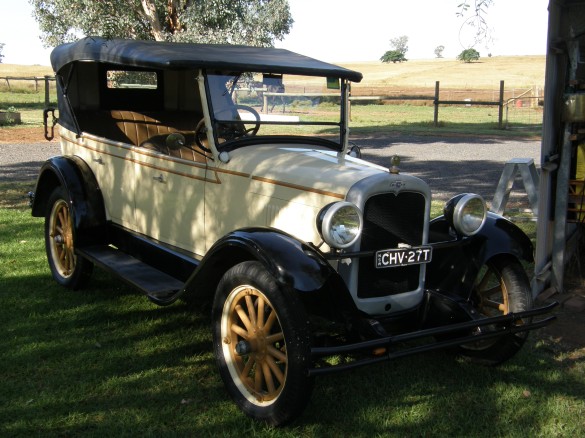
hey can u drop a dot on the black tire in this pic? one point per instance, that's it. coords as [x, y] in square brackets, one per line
[501, 287]
[67, 268]
[262, 344]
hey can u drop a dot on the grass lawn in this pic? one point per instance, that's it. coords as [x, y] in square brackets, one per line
[106, 362]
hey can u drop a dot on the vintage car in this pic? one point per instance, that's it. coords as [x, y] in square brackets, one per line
[181, 174]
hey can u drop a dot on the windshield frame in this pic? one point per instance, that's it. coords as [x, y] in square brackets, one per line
[339, 144]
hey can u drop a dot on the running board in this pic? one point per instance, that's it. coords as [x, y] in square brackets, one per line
[160, 287]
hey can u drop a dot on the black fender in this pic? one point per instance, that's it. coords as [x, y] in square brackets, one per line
[293, 263]
[85, 197]
[457, 260]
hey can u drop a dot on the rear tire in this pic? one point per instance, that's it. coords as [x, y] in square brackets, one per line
[67, 268]
[262, 344]
[501, 287]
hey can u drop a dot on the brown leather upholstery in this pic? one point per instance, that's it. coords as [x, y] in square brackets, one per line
[147, 130]
[188, 152]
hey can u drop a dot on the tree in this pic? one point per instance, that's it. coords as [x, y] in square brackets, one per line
[439, 51]
[250, 22]
[393, 56]
[468, 55]
[399, 47]
[1, 55]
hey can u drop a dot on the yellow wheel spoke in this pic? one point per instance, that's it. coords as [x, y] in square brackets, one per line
[239, 331]
[275, 370]
[260, 318]
[276, 353]
[251, 310]
[244, 317]
[494, 305]
[269, 321]
[271, 339]
[258, 378]
[483, 282]
[496, 290]
[248, 367]
[268, 377]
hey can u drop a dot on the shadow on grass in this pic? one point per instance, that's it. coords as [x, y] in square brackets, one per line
[105, 361]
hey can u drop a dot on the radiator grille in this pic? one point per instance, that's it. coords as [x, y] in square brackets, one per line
[390, 219]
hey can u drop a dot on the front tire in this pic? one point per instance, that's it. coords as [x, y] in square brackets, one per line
[67, 269]
[262, 344]
[501, 287]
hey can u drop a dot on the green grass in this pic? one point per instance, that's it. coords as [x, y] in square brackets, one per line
[27, 101]
[106, 362]
[476, 120]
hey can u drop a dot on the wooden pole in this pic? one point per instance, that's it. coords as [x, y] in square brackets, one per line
[501, 106]
[436, 117]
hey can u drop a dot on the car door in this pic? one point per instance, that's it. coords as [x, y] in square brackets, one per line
[169, 200]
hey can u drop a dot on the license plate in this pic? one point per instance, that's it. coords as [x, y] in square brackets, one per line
[388, 258]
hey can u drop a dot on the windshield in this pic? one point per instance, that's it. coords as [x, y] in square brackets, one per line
[251, 108]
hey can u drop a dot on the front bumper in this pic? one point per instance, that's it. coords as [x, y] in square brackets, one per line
[505, 324]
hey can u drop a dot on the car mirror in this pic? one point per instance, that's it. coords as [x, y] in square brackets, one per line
[175, 141]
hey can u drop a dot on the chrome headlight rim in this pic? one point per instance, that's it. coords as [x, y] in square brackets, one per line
[456, 211]
[326, 220]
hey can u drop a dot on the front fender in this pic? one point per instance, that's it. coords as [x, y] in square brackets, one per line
[293, 264]
[456, 261]
[85, 197]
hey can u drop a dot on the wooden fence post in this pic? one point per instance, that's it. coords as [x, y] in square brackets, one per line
[436, 117]
[47, 95]
[501, 106]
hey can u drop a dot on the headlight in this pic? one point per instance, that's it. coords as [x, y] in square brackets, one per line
[467, 213]
[340, 224]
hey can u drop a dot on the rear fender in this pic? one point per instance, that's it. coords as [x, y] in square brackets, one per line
[456, 261]
[293, 264]
[85, 197]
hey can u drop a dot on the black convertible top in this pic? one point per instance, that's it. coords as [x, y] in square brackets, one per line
[164, 55]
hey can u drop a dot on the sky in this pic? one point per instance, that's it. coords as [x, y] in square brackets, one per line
[347, 30]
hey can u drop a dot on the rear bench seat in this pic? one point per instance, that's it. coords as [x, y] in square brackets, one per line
[148, 130]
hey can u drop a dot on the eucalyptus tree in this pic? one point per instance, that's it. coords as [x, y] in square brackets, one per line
[250, 22]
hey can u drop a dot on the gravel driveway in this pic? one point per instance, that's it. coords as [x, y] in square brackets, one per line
[450, 165]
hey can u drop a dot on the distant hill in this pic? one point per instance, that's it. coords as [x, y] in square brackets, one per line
[516, 71]
[24, 70]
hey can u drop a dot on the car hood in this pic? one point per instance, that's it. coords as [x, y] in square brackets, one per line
[309, 168]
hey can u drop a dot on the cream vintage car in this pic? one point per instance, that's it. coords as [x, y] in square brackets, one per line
[226, 173]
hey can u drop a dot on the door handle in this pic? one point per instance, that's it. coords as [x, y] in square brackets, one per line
[159, 178]
[98, 160]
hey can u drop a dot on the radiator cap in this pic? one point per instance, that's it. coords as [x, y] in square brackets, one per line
[394, 163]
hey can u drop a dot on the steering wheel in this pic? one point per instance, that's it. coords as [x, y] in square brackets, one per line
[240, 130]
[229, 131]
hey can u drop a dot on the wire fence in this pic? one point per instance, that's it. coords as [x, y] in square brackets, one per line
[514, 108]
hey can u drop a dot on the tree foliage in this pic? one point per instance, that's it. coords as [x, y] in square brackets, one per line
[250, 22]
[439, 51]
[474, 14]
[399, 47]
[393, 56]
[1, 55]
[468, 55]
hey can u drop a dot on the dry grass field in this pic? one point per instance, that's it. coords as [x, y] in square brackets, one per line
[15, 70]
[516, 71]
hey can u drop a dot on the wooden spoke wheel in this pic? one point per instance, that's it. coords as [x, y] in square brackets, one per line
[253, 340]
[501, 287]
[67, 269]
[262, 344]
